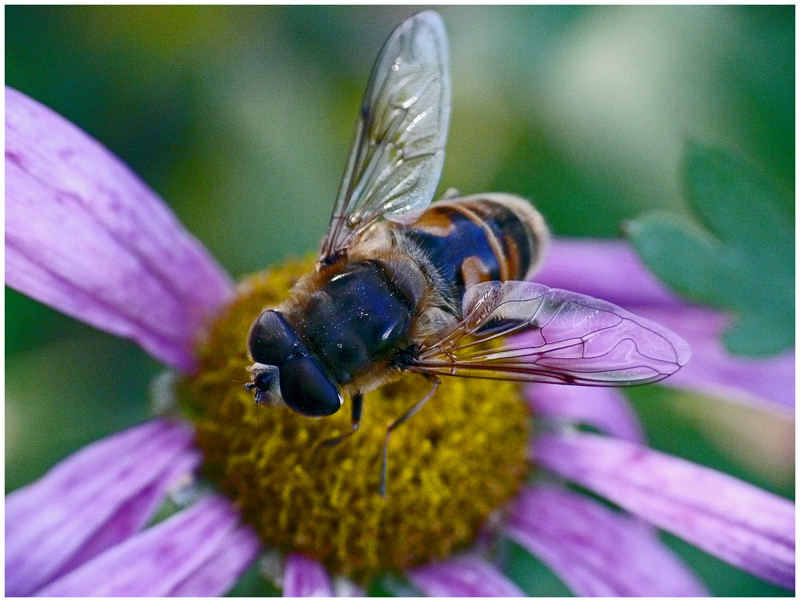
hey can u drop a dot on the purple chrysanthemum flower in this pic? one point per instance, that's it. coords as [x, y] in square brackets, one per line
[86, 237]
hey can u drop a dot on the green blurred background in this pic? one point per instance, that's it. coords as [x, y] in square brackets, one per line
[241, 118]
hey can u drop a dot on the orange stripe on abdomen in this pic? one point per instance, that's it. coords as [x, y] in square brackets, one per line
[477, 239]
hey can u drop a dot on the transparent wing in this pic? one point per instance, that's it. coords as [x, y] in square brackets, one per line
[398, 151]
[557, 336]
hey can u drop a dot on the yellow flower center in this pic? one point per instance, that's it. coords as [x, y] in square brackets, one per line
[449, 466]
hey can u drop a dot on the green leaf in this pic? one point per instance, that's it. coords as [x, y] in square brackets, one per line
[738, 257]
[392, 585]
[735, 202]
[253, 585]
[530, 574]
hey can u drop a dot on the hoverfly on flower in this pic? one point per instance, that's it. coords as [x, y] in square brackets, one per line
[406, 285]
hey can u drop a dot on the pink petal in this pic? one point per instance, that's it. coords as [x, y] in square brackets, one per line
[131, 516]
[606, 269]
[161, 559]
[465, 575]
[91, 501]
[597, 552]
[87, 237]
[611, 270]
[599, 407]
[218, 574]
[305, 577]
[742, 524]
[714, 371]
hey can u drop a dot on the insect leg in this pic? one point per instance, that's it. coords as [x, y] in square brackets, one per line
[400, 420]
[355, 421]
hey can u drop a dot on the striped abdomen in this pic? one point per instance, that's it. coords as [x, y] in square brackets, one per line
[479, 238]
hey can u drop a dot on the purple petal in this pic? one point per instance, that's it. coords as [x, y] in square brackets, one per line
[607, 269]
[131, 516]
[714, 371]
[611, 270]
[218, 574]
[87, 237]
[305, 577]
[465, 575]
[742, 524]
[597, 552]
[157, 561]
[603, 408]
[92, 500]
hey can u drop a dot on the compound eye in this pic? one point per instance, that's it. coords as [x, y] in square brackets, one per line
[307, 389]
[271, 339]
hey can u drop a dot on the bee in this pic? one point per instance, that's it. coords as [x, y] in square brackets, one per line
[406, 285]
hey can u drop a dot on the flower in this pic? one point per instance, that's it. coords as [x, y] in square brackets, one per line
[85, 236]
